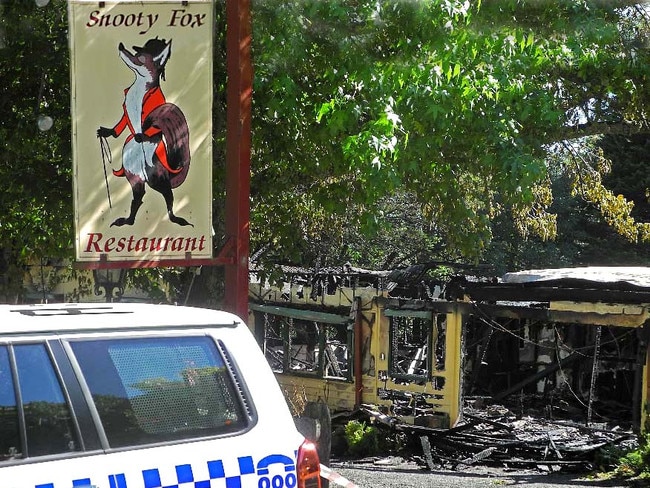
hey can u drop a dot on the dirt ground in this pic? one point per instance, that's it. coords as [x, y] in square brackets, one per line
[394, 472]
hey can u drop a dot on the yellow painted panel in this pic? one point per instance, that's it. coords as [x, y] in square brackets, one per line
[603, 308]
[338, 395]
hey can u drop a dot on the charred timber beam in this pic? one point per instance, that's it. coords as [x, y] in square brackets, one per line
[562, 316]
[536, 462]
[476, 440]
[541, 312]
[494, 423]
[300, 314]
[505, 292]
[537, 376]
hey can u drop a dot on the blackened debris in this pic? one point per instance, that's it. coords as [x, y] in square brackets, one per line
[494, 436]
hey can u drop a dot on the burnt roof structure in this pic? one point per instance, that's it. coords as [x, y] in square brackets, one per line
[622, 285]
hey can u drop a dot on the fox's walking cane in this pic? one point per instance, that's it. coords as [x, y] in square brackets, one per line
[106, 154]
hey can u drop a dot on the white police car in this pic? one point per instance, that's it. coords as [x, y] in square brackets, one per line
[142, 396]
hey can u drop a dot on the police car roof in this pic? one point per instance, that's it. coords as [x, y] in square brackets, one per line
[70, 317]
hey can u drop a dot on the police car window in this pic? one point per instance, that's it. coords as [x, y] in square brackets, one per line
[159, 389]
[48, 422]
[9, 434]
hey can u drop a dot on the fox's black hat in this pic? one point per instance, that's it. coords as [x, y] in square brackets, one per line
[152, 46]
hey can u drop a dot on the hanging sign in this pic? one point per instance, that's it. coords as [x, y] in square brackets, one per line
[142, 130]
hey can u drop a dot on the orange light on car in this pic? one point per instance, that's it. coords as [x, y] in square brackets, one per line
[308, 466]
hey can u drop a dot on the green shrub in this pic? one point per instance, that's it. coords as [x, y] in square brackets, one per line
[630, 465]
[362, 439]
[607, 458]
[635, 463]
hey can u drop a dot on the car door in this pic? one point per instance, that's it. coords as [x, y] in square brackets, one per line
[165, 409]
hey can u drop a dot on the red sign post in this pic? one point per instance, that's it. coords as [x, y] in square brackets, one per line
[238, 152]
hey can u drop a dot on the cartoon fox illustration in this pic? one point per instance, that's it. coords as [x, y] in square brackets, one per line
[157, 150]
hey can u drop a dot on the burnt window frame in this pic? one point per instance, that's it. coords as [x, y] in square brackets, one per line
[428, 318]
[285, 318]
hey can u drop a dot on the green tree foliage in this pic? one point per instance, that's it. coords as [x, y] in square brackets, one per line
[583, 239]
[629, 176]
[457, 104]
[456, 112]
[35, 165]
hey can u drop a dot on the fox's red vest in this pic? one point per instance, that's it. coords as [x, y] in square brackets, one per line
[152, 99]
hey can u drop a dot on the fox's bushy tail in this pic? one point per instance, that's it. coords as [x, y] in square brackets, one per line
[171, 121]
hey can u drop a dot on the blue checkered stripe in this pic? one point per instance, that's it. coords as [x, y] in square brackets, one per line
[185, 476]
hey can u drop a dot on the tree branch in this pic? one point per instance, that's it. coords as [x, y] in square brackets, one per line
[623, 127]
